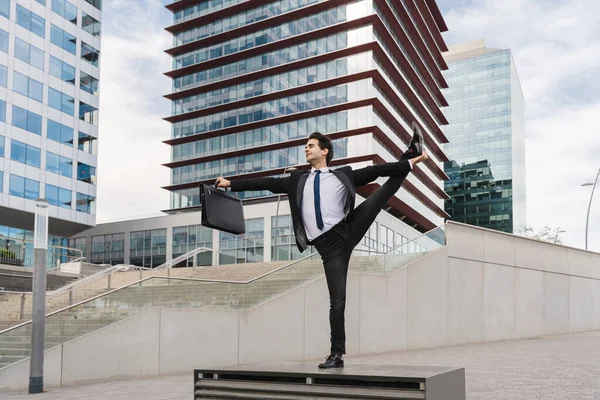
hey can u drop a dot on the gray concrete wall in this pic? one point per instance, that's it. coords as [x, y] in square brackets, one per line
[483, 286]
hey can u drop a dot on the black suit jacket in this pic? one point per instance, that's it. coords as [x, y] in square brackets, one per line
[293, 186]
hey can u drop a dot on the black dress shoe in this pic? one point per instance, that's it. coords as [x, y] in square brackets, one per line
[333, 361]
[415, 147]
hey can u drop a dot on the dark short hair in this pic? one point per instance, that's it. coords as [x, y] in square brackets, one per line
[324, 143]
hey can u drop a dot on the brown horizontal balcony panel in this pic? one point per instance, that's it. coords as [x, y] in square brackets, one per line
[426, 40]
[432, 26]
[206, 18]
[433, 76]
[406, 136]
[417, 170]
[437, 15]
[404, 110]
[381, 136]
[267, 147]
[271, 121]
[406, 66]
[412, 189]
[335, 162]
[272, 96]
[408, 92]
[397, 208]
[400, 209]
[252, 76]
[425, 57]
[269, 172]
[265, 48]
[254, 27]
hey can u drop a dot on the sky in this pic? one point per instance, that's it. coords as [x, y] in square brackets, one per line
[555, 45]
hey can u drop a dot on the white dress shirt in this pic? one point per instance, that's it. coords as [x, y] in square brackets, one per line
[333, 198]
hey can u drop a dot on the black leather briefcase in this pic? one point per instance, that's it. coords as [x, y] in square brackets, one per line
[222, 211]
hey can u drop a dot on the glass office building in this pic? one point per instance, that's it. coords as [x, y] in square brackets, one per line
[49, 82]
[487, 138]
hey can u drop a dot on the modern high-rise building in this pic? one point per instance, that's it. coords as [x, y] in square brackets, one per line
[487, 138]
[251, 81]
[49, 82]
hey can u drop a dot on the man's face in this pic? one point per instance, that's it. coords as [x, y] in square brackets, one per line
[313, 152]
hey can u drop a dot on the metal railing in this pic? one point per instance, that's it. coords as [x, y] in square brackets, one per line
[19, 253]
[182, 257]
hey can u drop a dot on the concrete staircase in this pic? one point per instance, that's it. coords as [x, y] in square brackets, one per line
[229, 290]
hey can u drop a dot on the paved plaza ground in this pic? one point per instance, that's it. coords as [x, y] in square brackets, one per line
[557, 367]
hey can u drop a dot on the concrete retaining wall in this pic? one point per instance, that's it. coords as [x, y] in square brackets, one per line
[483, 286]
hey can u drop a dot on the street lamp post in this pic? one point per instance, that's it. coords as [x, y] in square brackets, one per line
[40, 246]
[587, 221]
[285, 170]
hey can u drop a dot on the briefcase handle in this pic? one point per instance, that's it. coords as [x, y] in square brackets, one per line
[215, 186]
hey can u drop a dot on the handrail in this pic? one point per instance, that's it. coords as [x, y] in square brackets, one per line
[182, 257]
[88, 279]
[412, 240]
[158, 277]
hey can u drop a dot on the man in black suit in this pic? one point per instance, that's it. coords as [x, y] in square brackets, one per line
[323, 214]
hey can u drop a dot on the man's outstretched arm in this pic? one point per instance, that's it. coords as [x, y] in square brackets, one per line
[368, 174]
[275, 185]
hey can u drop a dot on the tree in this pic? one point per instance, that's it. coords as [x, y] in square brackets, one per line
[546, 234]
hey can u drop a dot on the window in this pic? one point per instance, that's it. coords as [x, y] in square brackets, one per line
[86, 173]
[249, 247]
[5, 8]
[2, 111]
[23, 187]
[1, 181]
[63, 39]
[89, 54]
[66, 10]
[90, 25]
[61, 101]
[87, 143]
[26, 120]
[88, 113]
[148, 248]
[88, 83]
[31, 21]
[59, 164]
[108, 249]
[284, 236]
[25, 154]
[3, 75]
[3, 41]
[60, 133]
[29, 54]
[58, 196]
[28, 87]
[1, 146]
[62, 70]
[96, 3]
[86, 203]
[79, 243]
[187, 238]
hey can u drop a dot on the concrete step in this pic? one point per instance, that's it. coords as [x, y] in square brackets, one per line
[21, 352]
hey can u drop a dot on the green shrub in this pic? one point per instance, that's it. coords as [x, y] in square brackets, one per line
[7, 253]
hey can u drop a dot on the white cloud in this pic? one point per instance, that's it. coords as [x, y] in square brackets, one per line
[131, 110]
[556, 47]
